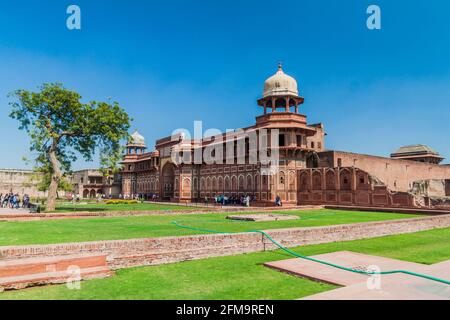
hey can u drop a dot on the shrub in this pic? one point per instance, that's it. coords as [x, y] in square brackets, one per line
[121, 202]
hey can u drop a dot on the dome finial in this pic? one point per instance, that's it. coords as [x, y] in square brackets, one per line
[280, 66]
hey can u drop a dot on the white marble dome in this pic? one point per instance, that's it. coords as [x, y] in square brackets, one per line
[280, 84]
[137, 139]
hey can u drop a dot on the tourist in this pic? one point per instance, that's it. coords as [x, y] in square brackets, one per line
[278, 201]
[11, 200]
[26, 201]
[5, 201]
[247, 201]
[15, 201]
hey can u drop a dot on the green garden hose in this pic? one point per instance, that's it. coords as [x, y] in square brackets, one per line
[420, 275]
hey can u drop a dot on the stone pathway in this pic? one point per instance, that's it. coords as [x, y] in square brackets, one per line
[362, 287]
[8, 211]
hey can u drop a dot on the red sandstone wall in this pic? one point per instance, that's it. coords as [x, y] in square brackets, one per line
[447, 188]
[153, 251]
[347, 186]
[398, 175]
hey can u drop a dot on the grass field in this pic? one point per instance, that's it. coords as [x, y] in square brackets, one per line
[114, 228]
[242, 276]
[99, 207]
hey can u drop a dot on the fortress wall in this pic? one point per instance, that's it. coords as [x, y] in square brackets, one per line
[447, 188]
[19, 181]
[398, 175]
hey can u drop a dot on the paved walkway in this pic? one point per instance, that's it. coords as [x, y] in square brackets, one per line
[362, 287]
[8, 211]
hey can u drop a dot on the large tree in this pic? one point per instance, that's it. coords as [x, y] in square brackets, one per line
[61, 127]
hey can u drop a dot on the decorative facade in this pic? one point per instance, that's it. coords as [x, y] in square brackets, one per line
[306, 172]
[90, 183]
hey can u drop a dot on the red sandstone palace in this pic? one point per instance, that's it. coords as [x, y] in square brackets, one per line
[307, 173]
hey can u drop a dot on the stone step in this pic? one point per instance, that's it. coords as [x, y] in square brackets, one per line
[21, 273]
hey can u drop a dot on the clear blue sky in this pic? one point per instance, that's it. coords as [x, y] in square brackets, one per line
[169, 63]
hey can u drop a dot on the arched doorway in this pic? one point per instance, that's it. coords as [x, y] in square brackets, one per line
[168, 183]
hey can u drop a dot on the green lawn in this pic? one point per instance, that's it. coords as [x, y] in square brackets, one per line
[114, 228]
[241, 276]
[99, 207]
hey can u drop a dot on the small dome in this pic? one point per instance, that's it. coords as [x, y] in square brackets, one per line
[137, 139]
[280, 84]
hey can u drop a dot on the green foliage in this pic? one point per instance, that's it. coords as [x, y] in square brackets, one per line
[61, 127]
[121, 202]
[44, 183]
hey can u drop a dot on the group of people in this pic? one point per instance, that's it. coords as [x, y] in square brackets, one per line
[242, 200]
[13, 201]
[139, 196]
[233, 200]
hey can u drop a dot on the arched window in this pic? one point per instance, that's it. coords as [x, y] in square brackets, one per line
[317, 180]
[281, 180]
[249, 182]
[304, 182]
[330, 180]
[345, 180]
[186, 184]
[241, 183]
[234, 183]
[227, 183]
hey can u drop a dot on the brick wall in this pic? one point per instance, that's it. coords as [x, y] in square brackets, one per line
[447, 188]
[398, 175]
[348, 186]
[153, 251]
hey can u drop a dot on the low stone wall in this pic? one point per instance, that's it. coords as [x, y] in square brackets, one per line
[423, 211]
[153, 251]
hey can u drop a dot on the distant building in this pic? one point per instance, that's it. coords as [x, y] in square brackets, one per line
[20, 181]
[418, 152]
[91, 182]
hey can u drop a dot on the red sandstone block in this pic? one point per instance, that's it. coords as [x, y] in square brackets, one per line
[30, 266]
[23, 281]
